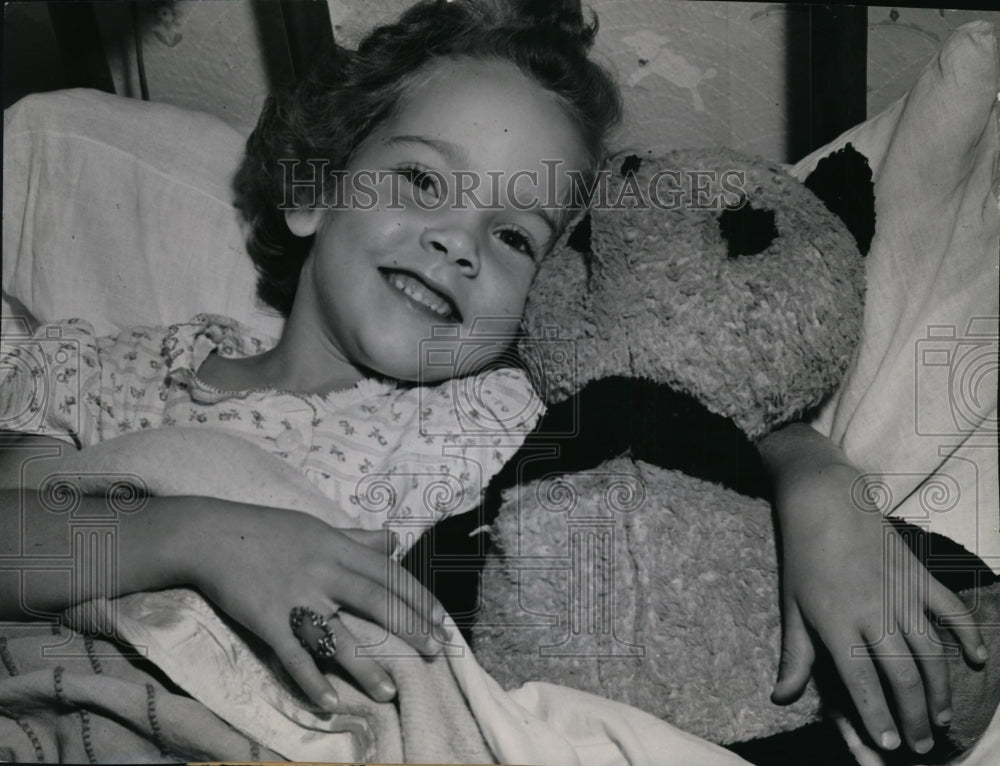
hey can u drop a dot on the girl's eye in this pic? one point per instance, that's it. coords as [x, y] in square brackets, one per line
[517, 240]
[424, 181]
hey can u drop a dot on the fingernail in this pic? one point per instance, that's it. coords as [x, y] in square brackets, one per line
[924, 745]
[386, 690]
[889, 740]
[944, 717]
[329, 701]
[982, 653]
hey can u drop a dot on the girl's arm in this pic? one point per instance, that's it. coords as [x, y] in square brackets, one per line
[32, 528]
[150, 544]
[838, 561]
[171, 461]
[255, 562]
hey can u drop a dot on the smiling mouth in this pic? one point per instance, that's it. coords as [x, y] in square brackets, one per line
[422, 294]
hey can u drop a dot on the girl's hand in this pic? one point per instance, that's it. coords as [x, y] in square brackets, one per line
[258, 564]
[849, 577]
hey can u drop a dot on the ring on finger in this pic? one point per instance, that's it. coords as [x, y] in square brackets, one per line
[307, 623]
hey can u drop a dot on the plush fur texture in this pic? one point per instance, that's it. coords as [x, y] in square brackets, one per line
[644, 583]
[758, 325]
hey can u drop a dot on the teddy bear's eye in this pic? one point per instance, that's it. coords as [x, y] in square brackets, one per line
[746, 230]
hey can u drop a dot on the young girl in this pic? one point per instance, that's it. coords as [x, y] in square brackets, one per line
[447, 146]
[399, 201]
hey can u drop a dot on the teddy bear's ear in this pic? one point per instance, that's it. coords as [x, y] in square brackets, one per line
[843, 181]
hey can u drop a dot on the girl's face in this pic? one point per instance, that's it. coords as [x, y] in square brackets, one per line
[421, 270]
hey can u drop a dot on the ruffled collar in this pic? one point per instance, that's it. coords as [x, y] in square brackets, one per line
[186, 347]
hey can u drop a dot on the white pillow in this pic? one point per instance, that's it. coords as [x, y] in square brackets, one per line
[918, 409]
[120, 211]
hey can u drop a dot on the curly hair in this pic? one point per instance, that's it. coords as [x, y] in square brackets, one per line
[327, 115]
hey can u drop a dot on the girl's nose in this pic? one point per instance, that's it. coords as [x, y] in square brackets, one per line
[456, 244]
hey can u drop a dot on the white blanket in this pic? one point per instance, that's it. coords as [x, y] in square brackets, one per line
[539, 723]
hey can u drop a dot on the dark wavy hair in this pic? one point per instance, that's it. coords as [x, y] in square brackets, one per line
[328, 114]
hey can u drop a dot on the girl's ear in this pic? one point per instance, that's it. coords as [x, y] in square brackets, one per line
[303, 222]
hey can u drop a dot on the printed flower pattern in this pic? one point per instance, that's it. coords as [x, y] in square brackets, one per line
[384, 453]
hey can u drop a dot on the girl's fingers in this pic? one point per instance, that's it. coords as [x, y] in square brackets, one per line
[896, 661]
[865, 687]
[369, 675]
[396, 592]
[390, 604]
[328, 643]
[931, 655]
[797, 657]
[953, 614]
[301, 666]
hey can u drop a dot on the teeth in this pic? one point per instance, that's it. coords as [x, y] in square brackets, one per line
[418, 292]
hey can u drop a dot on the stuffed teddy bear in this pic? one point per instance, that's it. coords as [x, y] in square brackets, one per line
[705, 300]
